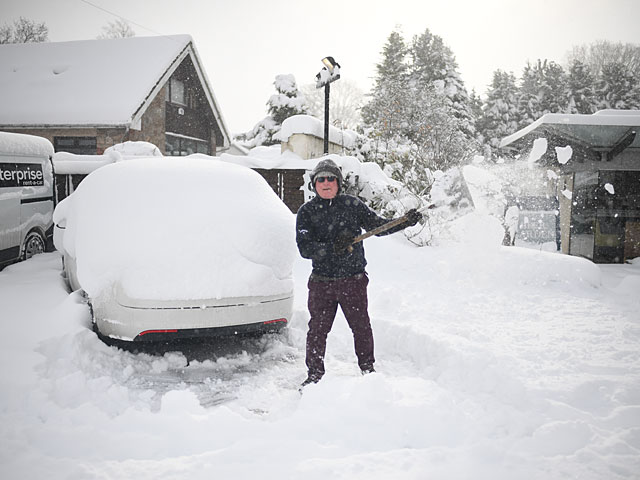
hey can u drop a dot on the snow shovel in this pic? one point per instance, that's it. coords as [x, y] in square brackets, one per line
[386, 226]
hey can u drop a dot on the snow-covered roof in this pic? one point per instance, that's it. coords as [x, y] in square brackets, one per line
[312, 126]
[90, 82]
[602, 130]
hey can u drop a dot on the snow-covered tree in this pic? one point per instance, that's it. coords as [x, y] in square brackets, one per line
[554, 90]
[389, 98]
[24, 30]
[119, 28]
[475, 102]
[544, 89]
[419, 116]
[499, 116]
[617, 87]
[433, 63]
[394, 64]
[385, 115]
[581, 88]
[528, 100]
[288, 101]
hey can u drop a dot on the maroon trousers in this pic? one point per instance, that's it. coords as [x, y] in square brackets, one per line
[324, 297]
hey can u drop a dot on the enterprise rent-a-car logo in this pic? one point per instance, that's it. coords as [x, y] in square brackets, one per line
[21, 175]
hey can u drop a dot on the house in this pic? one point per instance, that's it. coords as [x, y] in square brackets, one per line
[85, 96]
[595, 160]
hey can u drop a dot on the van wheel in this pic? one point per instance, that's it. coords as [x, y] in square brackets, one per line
[33, 244]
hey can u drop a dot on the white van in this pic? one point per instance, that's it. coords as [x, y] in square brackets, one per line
[26, 196]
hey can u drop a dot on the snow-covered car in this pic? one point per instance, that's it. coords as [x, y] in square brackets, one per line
[171, 248]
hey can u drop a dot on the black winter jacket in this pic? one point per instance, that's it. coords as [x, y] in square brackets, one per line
[320, 222]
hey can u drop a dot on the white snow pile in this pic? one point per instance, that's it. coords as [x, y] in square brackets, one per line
[132, 149]
[309, 125]
[66, 163]
[167, 228]
[21, 144]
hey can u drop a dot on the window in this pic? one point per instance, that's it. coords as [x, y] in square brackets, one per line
[176, 92]
[176, 145]
[77, 145]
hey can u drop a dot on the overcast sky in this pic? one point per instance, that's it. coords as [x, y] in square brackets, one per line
[244, 44]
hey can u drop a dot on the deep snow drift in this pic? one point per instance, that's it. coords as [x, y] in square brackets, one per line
[493, 363]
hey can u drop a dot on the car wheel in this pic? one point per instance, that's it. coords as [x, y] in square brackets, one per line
[33, 244]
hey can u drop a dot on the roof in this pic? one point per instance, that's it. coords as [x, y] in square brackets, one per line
[107, 82]
[309, 125]
[603, 130]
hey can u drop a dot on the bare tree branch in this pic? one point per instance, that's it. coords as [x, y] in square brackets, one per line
[117, 29]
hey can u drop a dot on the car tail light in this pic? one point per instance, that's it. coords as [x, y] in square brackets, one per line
[275, 321]
[156, 331]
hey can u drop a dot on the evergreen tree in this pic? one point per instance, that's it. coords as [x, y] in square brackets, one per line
[554, 89]
[499, 116]
[581, 88]
[617, 87]
[394, 60]
[419, 117]
[543, 89]
[385, 111]
[385, 115]
[475, 103]
[528, 100]
[282, 105]
[433, 63]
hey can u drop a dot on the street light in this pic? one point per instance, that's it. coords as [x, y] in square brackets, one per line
[329, 73]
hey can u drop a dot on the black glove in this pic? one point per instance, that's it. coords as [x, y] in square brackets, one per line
[343, 244]
[413, 217]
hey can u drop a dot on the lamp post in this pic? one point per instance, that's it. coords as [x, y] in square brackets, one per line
[329, 73]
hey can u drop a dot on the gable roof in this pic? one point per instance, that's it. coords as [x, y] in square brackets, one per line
[91, 82]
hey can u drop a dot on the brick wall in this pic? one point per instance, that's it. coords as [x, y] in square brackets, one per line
[153, 123]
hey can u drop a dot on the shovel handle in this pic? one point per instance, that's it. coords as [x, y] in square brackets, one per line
[384, 227]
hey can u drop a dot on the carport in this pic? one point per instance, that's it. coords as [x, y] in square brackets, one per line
[598, 181]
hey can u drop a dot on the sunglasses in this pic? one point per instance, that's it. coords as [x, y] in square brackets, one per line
[328, 179]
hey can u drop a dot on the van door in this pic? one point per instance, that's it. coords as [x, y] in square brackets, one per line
[36, 202]
[10, 195]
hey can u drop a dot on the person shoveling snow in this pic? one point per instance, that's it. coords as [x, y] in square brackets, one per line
[328, 229]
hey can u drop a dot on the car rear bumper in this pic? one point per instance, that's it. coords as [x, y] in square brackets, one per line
[147, 320]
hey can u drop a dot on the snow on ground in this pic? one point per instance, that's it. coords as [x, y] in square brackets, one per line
[493, 363]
